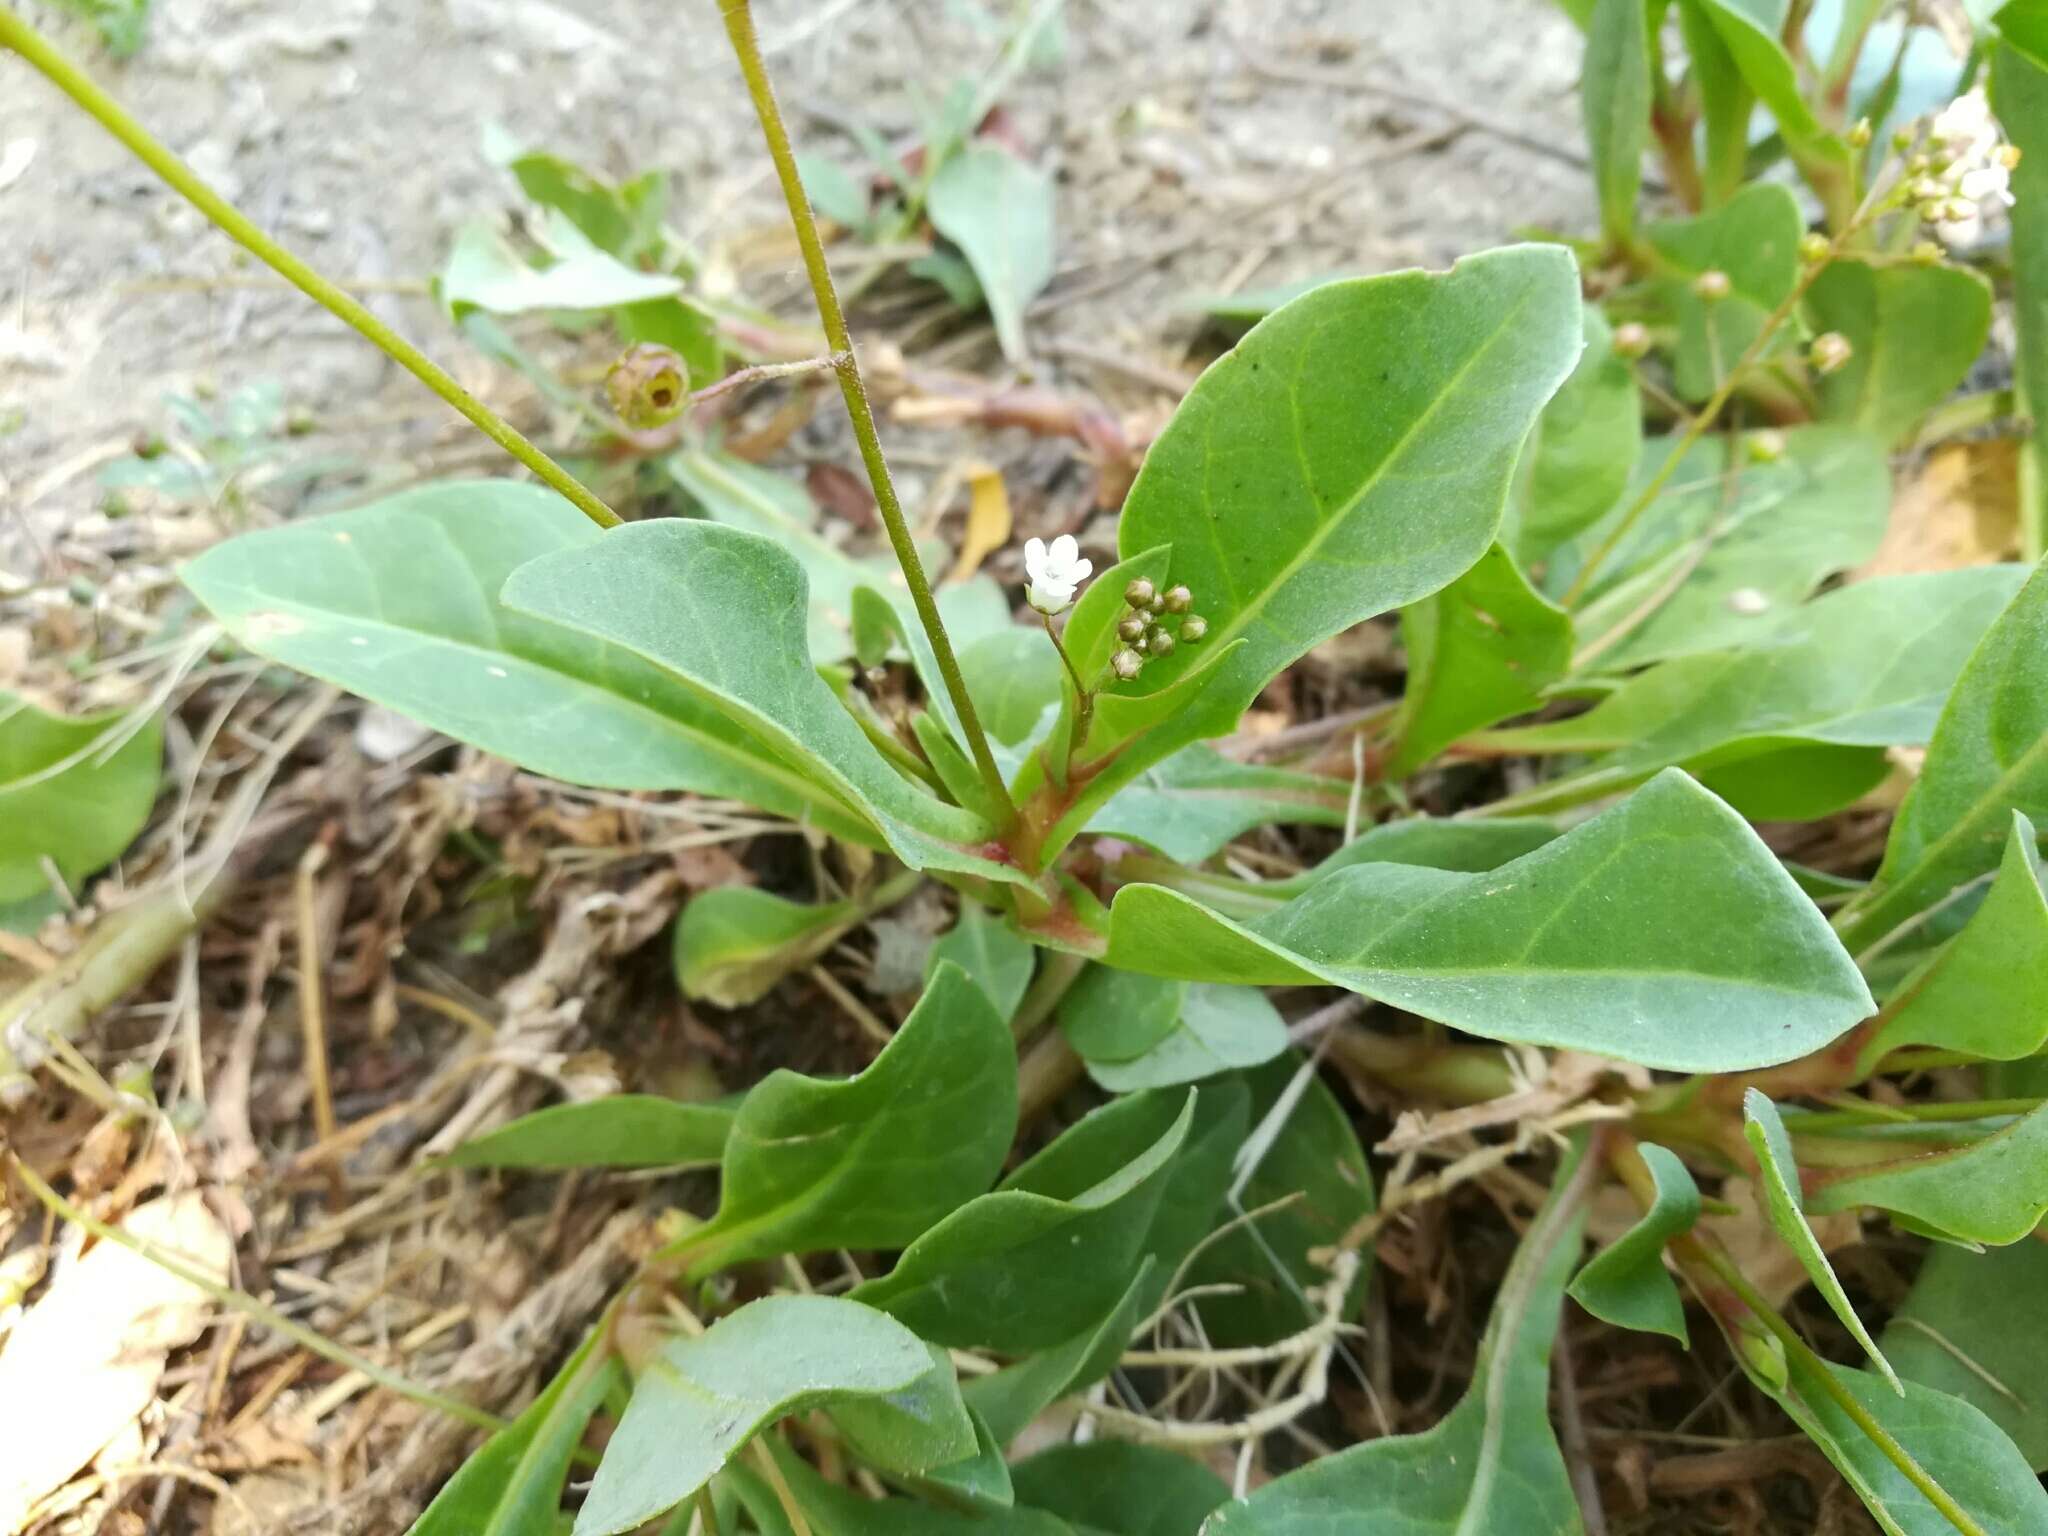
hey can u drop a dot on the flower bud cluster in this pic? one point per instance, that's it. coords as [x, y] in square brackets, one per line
[1964, 171]
[1154, 623]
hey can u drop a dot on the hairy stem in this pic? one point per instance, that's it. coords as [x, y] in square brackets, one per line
[746, 47]
[23, 39]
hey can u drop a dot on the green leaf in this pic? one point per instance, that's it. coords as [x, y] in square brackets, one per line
[1626, 1283]
[833, 1510]
[1113, 1485]
[1986, 990]
[1784, 1203]
[1916, 331]
[1197, 801]
[2019, 88]
[1720, 563]
[1009, 1399]
[1219, 1029]
[1350, 456]
[1028, 1265]
[1611, 939]
[977, 1481]
[833, 190]
[924, 1426]
[742, 495]
[724, 611]
[512, 1485]
[1754, 239]
[1864, 666]
[700, 1399]
[1614, 94]
[683, 328]
[1196, 1186]
[484, 272]
[1484, 648]
[1988, 758]
[995, 955]
[1749, 31]
[999, 212]
[1111, 1015]
[74, 790]
[627, 1130]
[1993, 1191]
[1491, 1465]
[1580, 456]
[623, 221]
[1726, 102]
[873, 1161]
[1013, 677]
[1312, 1161]
[1975, 1326]
[734, 943]
[1471, 847]
[398, 602]
[1955, 1444]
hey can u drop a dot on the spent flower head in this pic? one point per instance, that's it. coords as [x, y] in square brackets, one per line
[1056, 573]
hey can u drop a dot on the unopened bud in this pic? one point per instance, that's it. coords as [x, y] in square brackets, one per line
[1179, 599]
[1927, 253]
[1830, 353]
[1902, 139]
[1814, 247]
[1130, 627]
[648, 385]
[1767, 446]
[1139, 593]
[1193, 629]
[1126, 663]
[1712, 285]
[1860, 135]
[1159, 642]
[1632, 340]
[2007, 155]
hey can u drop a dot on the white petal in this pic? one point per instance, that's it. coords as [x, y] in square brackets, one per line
[1065, 549]
[1080, 571]
[1034, 558]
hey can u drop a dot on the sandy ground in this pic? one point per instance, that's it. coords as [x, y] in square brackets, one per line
[1199, 145]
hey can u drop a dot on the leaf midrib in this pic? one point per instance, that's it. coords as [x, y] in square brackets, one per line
[1342, 514]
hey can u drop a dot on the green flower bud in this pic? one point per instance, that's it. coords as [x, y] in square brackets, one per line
[1194, 628]
[1159, 642]
[1712, 285]
[1632, 340]
[1139, 593]
[1131, 627]
[1126, 663]
[1814, 248]
[1179, 599]
[1830, 353]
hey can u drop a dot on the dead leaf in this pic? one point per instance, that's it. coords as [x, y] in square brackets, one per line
[85, 1360]
[1963, 508]
[988, 519]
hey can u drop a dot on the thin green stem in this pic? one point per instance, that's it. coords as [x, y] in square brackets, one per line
[1084, 701]
[23, 39]
[1696, 428]
[1724, 1269]
[256, 1311]
[746, 47]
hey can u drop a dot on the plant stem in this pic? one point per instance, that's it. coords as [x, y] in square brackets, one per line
[1084, 701]
[746, 47]
[1707, 1266]
[23, 39]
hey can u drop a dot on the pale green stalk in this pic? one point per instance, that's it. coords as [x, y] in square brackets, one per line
[19, 36]
[746, 47]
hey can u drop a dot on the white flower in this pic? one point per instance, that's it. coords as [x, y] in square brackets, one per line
[1056, 573]
[1965, 129]
[1987, 183]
